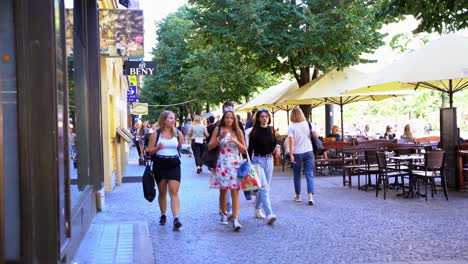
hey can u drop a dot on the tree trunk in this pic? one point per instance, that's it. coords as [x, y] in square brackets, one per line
[207, 107]
[304, 78]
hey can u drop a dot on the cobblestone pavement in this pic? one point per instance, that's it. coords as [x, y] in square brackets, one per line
[345, 226]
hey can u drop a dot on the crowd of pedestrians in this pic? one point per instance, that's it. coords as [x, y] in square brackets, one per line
[256, 140]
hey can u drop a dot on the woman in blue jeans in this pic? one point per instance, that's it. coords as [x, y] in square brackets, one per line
[262, 147]
[301, 152]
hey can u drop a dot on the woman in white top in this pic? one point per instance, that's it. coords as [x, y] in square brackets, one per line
[301, 152]
[165, 143]
[198, 133]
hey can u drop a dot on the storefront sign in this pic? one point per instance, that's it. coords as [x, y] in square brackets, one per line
[140, 109]
[131, 94]
[139, 68]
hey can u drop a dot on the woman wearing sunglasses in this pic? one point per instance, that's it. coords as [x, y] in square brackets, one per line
[262, 147]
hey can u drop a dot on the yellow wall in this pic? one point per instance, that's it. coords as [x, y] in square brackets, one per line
[114, 111]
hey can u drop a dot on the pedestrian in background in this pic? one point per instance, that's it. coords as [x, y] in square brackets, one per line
[72, 142]
[166, 165]
[262, 147]
[210, 127]
[389, 133]
[408, 134]
[231, 143]
[136, 139]
[198, 133]
[301, 153]
[142, 143]
[249, 122]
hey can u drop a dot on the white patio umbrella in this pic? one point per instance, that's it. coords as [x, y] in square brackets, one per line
[440, 65]
[328, 89]
[270, 96]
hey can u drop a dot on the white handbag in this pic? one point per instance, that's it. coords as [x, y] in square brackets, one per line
[251, 181]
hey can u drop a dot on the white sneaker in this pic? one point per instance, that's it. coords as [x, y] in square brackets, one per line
[224, 219]
[311, 199]
[236, 225]
[297, 198]
[271, 219]
[259, 214]
[229, 215]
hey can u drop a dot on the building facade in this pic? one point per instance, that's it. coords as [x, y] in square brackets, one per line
[50, 192]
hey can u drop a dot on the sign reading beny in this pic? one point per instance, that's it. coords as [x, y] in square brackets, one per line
[139, 68]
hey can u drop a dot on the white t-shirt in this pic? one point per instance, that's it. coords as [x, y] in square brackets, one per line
[247, 133]
[301, 133]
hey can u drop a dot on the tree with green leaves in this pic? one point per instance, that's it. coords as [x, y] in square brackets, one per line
[440, 16]
[193, 67]
[293, 36]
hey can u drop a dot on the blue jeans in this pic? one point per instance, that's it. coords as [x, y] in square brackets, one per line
[308, 159]
[266, 173]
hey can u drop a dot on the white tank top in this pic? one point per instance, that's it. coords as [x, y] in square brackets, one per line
[170, 147]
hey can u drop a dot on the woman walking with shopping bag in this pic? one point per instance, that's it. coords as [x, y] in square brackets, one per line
[165, 145]
[262, 148]
[229, 137]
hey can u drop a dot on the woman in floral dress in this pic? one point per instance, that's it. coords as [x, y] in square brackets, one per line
[230, 139]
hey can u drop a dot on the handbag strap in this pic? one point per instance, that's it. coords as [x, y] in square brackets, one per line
[248, 158]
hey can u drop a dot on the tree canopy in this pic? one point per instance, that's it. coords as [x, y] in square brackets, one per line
[440, 16]
[293, 36]
[287, 36]
[193, 67]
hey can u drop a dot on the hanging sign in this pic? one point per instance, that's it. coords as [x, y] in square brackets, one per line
[140, 109]
[131, 94]
[133, 80]
[139, 68]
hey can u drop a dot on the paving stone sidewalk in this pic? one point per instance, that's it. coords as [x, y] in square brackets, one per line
[345, 226]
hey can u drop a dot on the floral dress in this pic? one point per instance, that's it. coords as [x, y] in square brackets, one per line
[227, 166]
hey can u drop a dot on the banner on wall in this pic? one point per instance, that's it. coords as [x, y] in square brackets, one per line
[120, 31]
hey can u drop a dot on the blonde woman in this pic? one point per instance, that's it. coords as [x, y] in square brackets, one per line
[230, 139]
[407, 134]
[165, 145]
[301, 152]
[198, 133]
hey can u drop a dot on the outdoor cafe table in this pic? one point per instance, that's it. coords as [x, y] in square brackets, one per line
[410, 159]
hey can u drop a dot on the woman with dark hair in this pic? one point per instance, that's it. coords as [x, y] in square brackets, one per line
[262, 147]
[229, 137]
[389, 133]
[210, 127]
[166, 164]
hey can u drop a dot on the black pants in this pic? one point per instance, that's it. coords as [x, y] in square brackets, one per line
[137, 145]
[198, 150]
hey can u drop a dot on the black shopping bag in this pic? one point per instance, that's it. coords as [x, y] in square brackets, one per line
[210, 157]
[147, 180]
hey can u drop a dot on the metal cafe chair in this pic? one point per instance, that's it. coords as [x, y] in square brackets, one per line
[434, 165]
